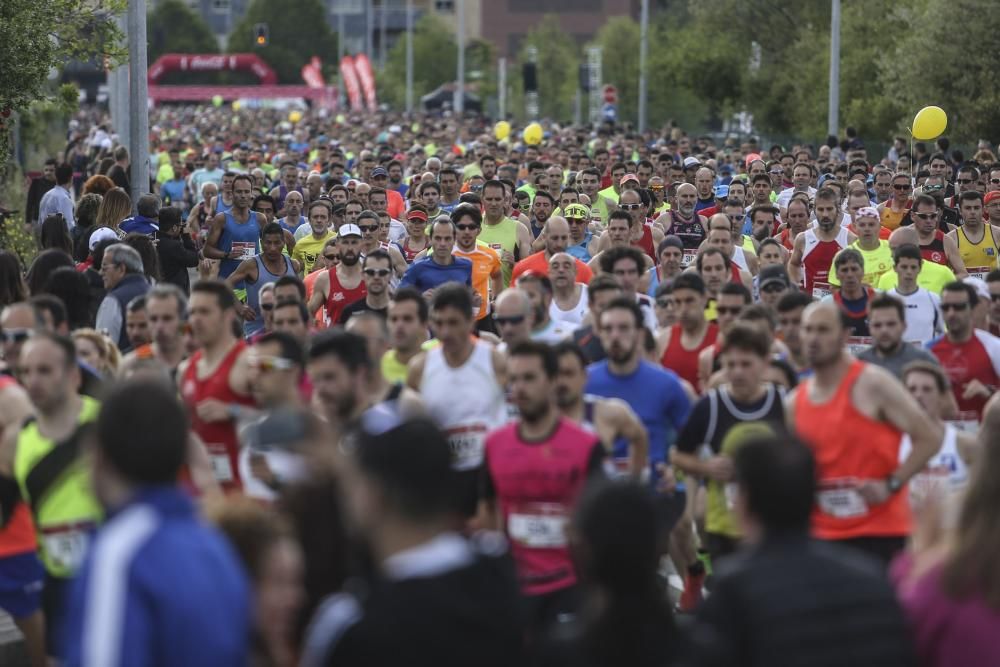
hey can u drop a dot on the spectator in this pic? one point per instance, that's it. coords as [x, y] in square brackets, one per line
[86, 222]
[60, 198]
[72, 288]
[147, 251]
[12, 285]
[121, 271]
[38, 189]
[175, 250]
[42, 267]
[145, 221]
[98, 184]
[97, 351]
[115, 207]
[53, 233]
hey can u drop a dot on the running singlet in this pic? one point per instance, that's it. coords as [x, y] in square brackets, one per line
[976, 359]
[240, 236]
[485, 262]
[934, 251]
[850, 446]
[856, 311]
[264, 276]
[645, 243]
[502, 237]
[221, 206]
[408, 254]
[980, 258]
[683, 361]
[891, 219]
[946, 472]
[18, 536]
[219, 437]
[817, 257]
[691, 233]
[339, 296]
[580, 251]
[536, 485]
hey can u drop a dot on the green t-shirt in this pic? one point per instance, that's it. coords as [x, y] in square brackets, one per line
[932, 277]
[501, 237]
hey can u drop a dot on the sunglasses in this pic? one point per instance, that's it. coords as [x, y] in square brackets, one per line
[770, 289]
[268, 364]
[630, 207]
[656, 188]
[995, 181]
[935, 188]
[16, 335]
[902, 187]
[512, 320]
[964, 181]
[381, 273]
[368, 228]
[663, 303]
[332, 258]
[925, 216]
[945, 307]
[267, 306]
[466, 227]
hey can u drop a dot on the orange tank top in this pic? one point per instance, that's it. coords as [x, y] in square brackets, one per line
[850, 446]
[18, 536]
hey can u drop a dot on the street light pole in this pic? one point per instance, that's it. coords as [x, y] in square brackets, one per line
[409, 55]
[643, 49]
[459, 100]
[833, 112]
[137, 100]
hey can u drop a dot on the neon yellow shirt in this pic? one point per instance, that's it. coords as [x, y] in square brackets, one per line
[932, 277]
[878, 262]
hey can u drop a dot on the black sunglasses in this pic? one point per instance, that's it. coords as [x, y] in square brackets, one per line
[15, 335]
[513, 319]
[466, 227]
[381, 273]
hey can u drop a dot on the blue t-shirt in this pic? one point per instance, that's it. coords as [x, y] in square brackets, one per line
[427, 274]
[654, 394]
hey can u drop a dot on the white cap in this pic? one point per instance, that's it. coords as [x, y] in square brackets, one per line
[101, 234]
[348, 230]
[978, 284]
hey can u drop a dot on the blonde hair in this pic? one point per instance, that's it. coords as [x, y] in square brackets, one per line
[110, 356]
[115, 207]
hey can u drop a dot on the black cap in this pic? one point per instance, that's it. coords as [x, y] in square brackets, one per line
[772, 274]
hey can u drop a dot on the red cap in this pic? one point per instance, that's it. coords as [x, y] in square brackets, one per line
[416, 215]
[990, 196]
[628, 177]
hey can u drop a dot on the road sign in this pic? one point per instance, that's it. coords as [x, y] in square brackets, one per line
[610, 94]
[609, 112]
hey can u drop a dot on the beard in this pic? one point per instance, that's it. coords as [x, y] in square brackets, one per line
[348, 258]
[620, 353]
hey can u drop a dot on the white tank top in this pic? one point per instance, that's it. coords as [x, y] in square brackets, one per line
[813, 241]
[575, 314]
[740, 259]
[946, 471]
[924, 321]
[467, 402]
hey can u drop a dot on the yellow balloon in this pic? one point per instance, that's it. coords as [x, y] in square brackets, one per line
[929, 123]
[294, 116]
[533, 134]
[501, 130]
[236, 105]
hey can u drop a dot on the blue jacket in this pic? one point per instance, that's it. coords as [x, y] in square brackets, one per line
[140, 224]
[158, 587]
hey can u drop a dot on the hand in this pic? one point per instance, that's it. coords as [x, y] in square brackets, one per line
[477, 300]
[975, 389]
[207, 268]
[667, 481]
[507, 257]
[429, 294]
[719, 468]
[234, 254]
[874, 491]
[212, 410]
[248, 313]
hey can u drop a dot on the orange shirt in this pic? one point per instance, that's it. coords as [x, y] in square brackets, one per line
[310, 283]
[540, 264]
[891, 220]
[485, 263]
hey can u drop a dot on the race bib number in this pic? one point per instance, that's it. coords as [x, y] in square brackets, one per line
[978, 271]
[538, 525]
[467, 446]
[248, 250]
[617, 468]
[840, 499]
[858, 344]
[821, 290]
[222, 467]
[967, 422]
[689, 257]
[65, 545]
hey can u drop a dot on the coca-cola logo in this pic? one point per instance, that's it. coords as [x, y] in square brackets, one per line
[208, 62]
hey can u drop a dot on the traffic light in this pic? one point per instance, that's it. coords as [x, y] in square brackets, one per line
[530, 75]
[260, 36]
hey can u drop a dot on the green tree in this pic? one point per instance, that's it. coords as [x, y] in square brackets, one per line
[435, 59]
[558, 62]
[297, 31]
[37, 37]
[173, 28]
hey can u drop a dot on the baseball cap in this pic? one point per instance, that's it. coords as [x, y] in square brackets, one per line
[349, 230]
[691, 162]
[752, 157]
[628, 177]
[774, 274]
[726, 169]
[379, 171]
[978, 284]
[577, 212]
[101, 234]
[416, 215]
[991, 196]
[721, 191]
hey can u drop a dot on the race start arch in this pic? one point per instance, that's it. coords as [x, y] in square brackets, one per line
[212, 62]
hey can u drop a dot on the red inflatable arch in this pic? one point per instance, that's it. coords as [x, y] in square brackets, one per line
[212, 62]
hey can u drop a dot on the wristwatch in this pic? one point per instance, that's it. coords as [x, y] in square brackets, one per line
[894, 483]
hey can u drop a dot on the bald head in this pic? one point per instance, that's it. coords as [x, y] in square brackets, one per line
[513, 301]
[686, 188]
[720, 221]
[556, 235]
[824, 334]
[903, 236]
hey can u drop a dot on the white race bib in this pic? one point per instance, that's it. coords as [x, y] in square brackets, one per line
[222, 467]
[840, 498]
[247, 249]
[538, 525]
[978, 271]
[858, 344]
[689, 257]
[65, 546]
[821, 290]
[467, 446]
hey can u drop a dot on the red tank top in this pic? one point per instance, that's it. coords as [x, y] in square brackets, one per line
[645, 244]
[536, 486]
[934, 251]
[683, 361]
[18, 536]
[737, 276]
[850, 446]
[219, 437]
[408, 254]
[338, 297]
[818, 262]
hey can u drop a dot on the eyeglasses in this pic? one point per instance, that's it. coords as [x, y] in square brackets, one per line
[15, 335]
[995, 181]
[381, 273]
[466, 227]
[925, 216]
[772, 288]
[945, 307]
[332, 258]
[902, 186]
[268, 364]
[512, 320]
[964, 181]
[935, 188]
[267, 306]
[368, 228]
[630, 207]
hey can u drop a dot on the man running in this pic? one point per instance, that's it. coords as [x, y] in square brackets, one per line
[853, 415]
[487, 270]
[263, 268]
[440, 266]
[875, 251]
[461, 361]
[214, 381]
[887, 317]
[376, 272]
[233, 234]
[407, 322]
[569, 297]
[934, 245]
[311, 246]
[924, 320]
[681, 344]
[343, 283]
[815, 248]
[978, 242]
[166, 309]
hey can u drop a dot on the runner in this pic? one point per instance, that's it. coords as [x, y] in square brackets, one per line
[233, 234]
[581, 239]
[790, 309]
[416, 240]
[890, 349]
[369, 224]
[685, 223]
[440, 266]
[539, 291]
[682, 343]
[923, 320]
[214, 381]
[535, 469]
[310, 247]
[853, 297]
[166, 310]
[511, 240]
[343, 283]
[611, 420]
[814, 249]
[262, 269]
[874, 251]
[556, 240]
[853, 415]
[224, 201]
[460, 361]
[934, 245]
[979, 256]
[601, 291]
[670, 254]
[487, 274]
[407, 322]
[569, 297]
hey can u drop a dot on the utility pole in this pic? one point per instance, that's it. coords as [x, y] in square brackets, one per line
[138, 106]
[341, 49]
[118, 91]
[833, 112]
[409, 56]
[381, 33]
[502, 88]
[459, 100]
[643, 49]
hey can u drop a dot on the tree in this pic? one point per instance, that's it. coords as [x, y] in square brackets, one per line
[558, 60]
[173, 28]
[297, 31]
[435, 59]
[37, 37]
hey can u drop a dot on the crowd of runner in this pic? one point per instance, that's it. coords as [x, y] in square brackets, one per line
[350, 391]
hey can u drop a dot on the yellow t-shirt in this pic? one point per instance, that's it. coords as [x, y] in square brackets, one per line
[308, 248]
[932, 277]
[878, 262]
[392, 369]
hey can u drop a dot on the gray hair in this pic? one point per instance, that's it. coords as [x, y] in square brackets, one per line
[121, 253]
[148, 206]
[169, 291]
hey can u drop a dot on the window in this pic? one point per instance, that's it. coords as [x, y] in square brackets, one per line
[444, 5]
[220, 6]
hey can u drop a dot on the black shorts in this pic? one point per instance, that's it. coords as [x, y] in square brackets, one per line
[720, 546]
[541, 612]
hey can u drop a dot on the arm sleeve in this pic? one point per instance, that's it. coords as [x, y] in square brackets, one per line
[109, 318]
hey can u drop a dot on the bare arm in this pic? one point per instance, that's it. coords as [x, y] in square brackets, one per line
[245, 270]
[211, 249]
[320, 288]
[415, 372]
[901, 410]
[200, 467]
[954, 258]
[500, 368]
[523, 240]
[399, 264]
[15, 408]
[795, 261]
[627, 425]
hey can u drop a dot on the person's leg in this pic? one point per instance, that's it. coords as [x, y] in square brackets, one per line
[21, 580]
[33, 629]
[53, 605]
